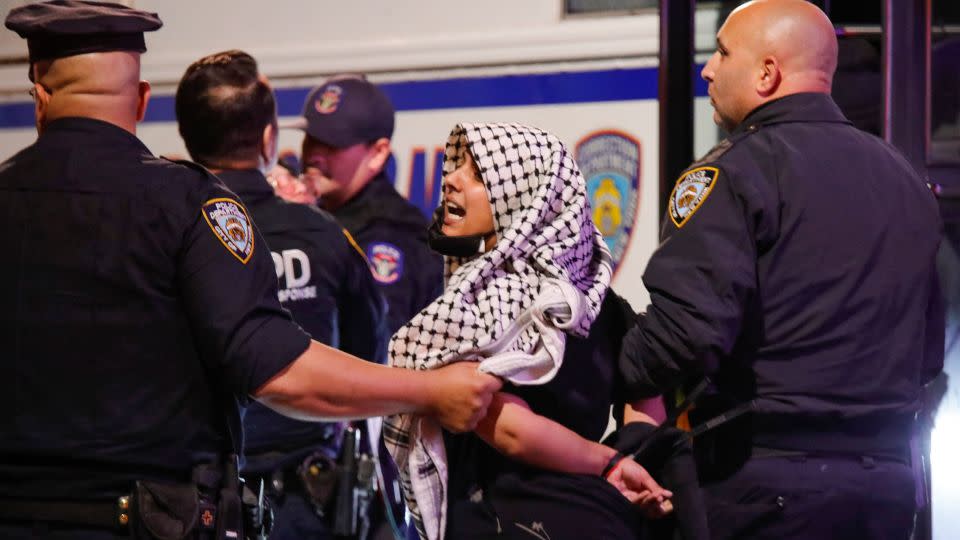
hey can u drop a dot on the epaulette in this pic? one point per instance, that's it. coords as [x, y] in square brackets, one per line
[195, 166]
[696, 182]
[723, 146]
[226, 216]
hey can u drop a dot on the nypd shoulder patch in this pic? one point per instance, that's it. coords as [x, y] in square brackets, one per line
[690, 192]
[229, 221]
[386, 262]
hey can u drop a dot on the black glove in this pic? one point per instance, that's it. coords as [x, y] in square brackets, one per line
[654, 444]
[666, 453]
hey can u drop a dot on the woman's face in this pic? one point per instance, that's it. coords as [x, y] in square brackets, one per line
[466, 208]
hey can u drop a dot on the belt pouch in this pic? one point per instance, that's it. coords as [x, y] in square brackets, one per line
[164, 511]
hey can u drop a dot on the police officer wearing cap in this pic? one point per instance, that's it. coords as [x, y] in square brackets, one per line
[796, 268]
[322, 274]
[347, 124]
[139, 313]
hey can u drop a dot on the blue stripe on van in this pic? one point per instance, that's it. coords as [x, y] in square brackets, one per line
[499, 91]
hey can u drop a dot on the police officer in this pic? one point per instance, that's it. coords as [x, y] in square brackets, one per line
[139, 311]
[226, 113]
[348, 122]
[797, 268]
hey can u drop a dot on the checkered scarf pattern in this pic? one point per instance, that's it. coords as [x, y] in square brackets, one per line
[544, 234]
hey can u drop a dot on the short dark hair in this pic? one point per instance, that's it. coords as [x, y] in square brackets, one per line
[223, 105]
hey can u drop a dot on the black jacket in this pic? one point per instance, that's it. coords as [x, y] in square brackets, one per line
[797, 267]
[138, 309]
[393, 235]
[325, 283]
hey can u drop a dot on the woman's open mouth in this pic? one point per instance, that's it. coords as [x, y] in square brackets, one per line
[453, 213]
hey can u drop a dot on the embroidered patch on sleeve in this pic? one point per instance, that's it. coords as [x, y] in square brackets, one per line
[386, 262]
[229, 221]
[691, 190]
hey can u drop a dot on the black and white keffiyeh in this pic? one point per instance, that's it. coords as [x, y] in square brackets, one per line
[509, 307]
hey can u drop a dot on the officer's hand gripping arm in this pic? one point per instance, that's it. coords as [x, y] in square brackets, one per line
[325, 383]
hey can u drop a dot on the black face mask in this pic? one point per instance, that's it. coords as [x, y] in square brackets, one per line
[454, 246]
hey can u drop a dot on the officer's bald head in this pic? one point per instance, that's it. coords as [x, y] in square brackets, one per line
[85, 59]
[99, 73]
[101, 85]
[795, 31]
[768, 49]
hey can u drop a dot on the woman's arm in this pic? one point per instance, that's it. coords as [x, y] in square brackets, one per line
[521, 434]
[649, 410]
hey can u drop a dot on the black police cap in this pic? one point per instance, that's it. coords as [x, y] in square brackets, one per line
[70, 27]
[346, 110]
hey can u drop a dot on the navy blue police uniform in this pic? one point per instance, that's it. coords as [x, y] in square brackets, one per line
[393, 235]
[139, 311]
[140, 307]
[324, 282]
[797, 269]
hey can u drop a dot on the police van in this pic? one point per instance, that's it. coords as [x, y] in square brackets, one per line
[587, 75]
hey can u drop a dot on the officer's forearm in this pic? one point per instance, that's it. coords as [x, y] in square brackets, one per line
[327, 384]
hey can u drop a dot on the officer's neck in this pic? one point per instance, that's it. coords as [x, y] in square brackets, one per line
[220, 165]
[113, 111]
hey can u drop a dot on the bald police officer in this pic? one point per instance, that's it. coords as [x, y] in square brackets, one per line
[139, 309]
[797, 267]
